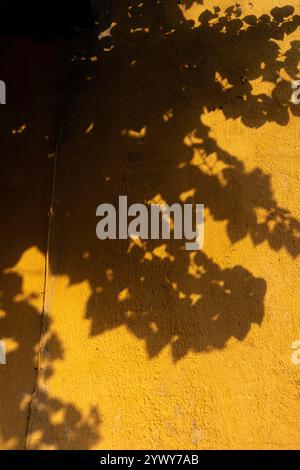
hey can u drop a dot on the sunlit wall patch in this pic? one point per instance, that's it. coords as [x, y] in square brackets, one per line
[296, 94]
[2, 353]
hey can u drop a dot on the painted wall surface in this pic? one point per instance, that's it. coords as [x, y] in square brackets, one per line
[122, 344]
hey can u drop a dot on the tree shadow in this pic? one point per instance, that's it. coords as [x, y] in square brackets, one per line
[186, 302]
[137, 128]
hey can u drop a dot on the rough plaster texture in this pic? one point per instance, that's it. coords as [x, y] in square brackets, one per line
[117, 344]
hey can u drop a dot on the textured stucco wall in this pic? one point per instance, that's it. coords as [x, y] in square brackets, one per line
[145, 345]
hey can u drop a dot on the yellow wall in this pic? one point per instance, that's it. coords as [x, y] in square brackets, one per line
[145, 345]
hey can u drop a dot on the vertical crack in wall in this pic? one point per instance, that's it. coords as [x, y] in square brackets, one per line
[47, 270]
